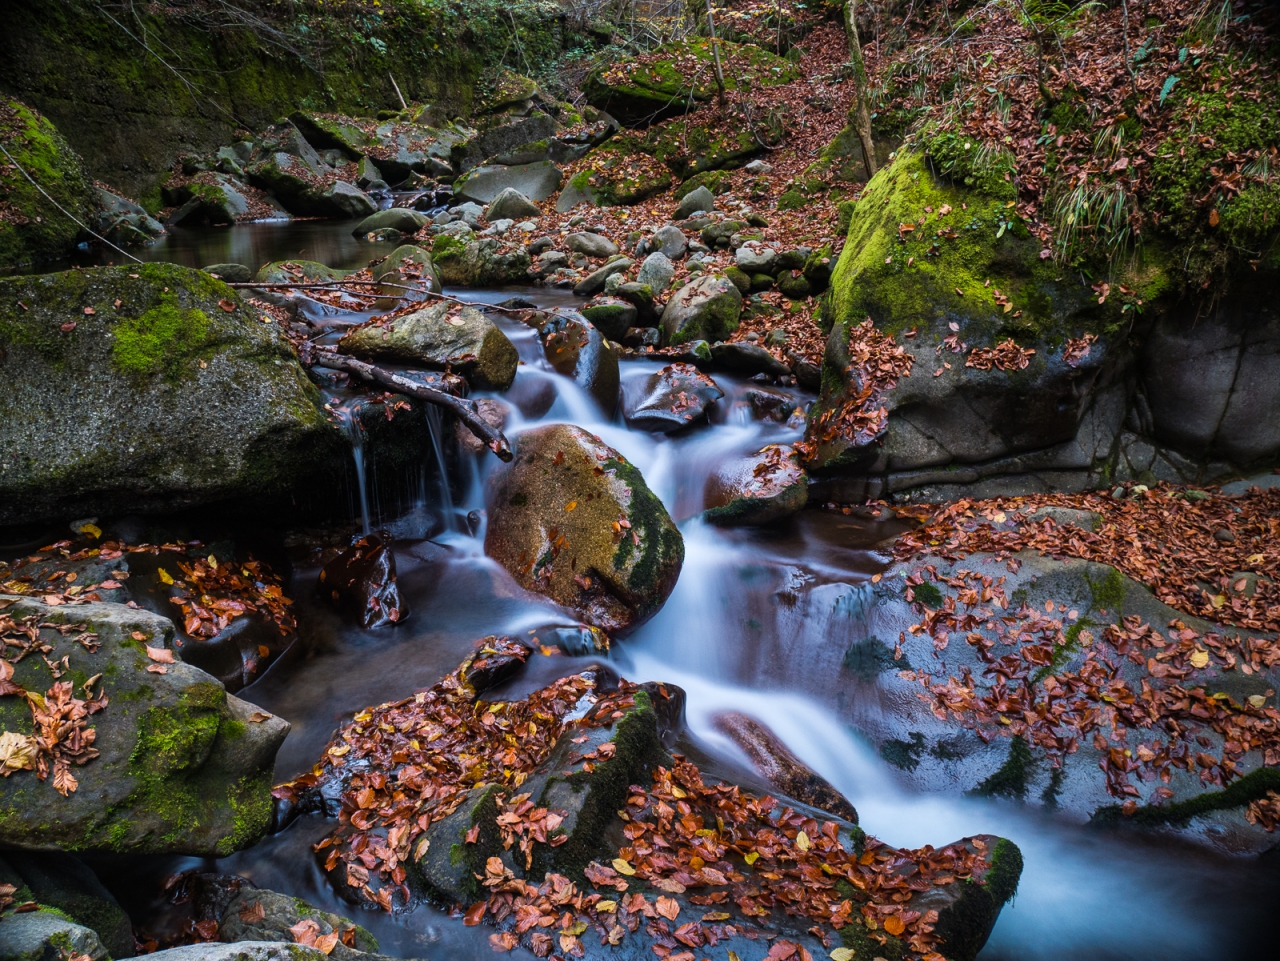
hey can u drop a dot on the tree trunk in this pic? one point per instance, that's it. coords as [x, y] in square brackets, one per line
[861, 112]
[715, 51]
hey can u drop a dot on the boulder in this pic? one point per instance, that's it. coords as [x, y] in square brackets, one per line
[591, 245]
[241, 951]
[345, 200]
[128, 437]
[695, 201]
[705, 309]
[594, 282]
[537, 181]
[122, 221]
[754, 259]
[442, 335]
[757, 489]
[504, 139]
[39, 231]
[615, 177]
[574, 348]
[62, 882]
[181, 767]
[657, 271]
[669, 241]
[611, 316]
[47, 935]
[513, 205]
[395, 218]
[745, 358]
[281, 915]
[221, 201]
[566, 480]
[478, 263]
[669, 399]
[361, 582]
[230, 273]
[406, 268]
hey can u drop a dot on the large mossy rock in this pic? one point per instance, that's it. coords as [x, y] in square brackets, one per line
[280, 913]
[621, 174]
[572, 519]
[147, 388]
[183, 767]
[31, 227]
[639, 93]
[438, 337]
[705, 309]
[480, 263]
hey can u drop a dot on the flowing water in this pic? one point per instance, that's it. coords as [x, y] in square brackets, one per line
[757, 623]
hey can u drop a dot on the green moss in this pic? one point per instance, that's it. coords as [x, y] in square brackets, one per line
[717, 181]
[1240, 792]
[904, 755]
[1108, 593]
[1011, 780]
[927, 594]
[161, 341]
[661, 546]
[1063, 650]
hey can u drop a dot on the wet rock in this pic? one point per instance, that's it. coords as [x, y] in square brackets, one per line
[189, 771]
[47, 935]
[781, 768]
[808, 375]
[241, 951]
[479, 263]
[657, 271]
[124, 222]
[594, 282]
[574, 348]
[669, 241]
[61, 881]
[591, 245]
[407, 268]
[706, 309]
[758, 489]
[231, 273]
[346, 200]
[201, 204]
[280, 914]
[745, 358]
[674, 397]
[695, 201]
[511, 204]
[395, 218]
[611, 316]
[614, 555]
[640, 295]
[494, 413]
[128, 438]
[537, 181]
[361, 582]
[772, 405]
[640, 337]
[442, 335]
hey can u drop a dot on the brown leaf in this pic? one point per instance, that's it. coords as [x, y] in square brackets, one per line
[161, 655]
[229, 306]
[251, 912]
[669, 908]
[475, 913]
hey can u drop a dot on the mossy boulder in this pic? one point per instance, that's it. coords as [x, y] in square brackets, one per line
[406, 275]
[689, 149]
[438, 337]
[183, 767]
[280, 913]
[757, 489]
[61, 881]
[479, 263]
[31, 227]
[674, 74]
[182, 396]
[621, 174]
[48, 935]
[705, 309]
[572, 519]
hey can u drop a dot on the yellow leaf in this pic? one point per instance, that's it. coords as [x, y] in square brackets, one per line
[1256, 701]
[423, 843]
[733, 956]
[93, 530]
[606, 905]
[802, 841]
[752, 857]
[17, 752]
[842, 954]
[339, 751]
[622, 867]
[213, 562]
[1219, 600]
[1200, 659]
[679, 792]
[571, 505]
[164, 576]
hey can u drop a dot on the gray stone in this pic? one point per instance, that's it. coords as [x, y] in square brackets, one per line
[367, 173]
[189, 772]
[503, 143]
[472, 214]
[591, 244]
[402, 274]
[58, 880]
[129, 437]
[756, 260]
[241, 951]
[123, 222]
[221, 202]
[706, 309]
[482, 263]
[230, 273]
[594, 282]
[669, 399]
[611, 316]
[669, 241]
[442, 335]
[748, 359]
[396, 218]
[347, 200]
[280, 913]
[695, 201]
[511, 204]
[47, 936]
[657, 271]
[758, 167]
[756, 489]
[537, 181]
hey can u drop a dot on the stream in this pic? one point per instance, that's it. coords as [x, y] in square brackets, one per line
[753, 625]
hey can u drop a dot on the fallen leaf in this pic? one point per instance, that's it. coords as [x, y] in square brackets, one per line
[325, 943]
[669, 908]
[251, 912]
[503, 941]
[161, 655]
[157, 669]
[894, 925]
[475, 913]
[17, 752]
[228, 306]
[622, 867]
[842, 954]
[1200, 659]
[257, 717]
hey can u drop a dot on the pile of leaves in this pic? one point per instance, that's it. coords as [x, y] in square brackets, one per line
[61, 733]
[211, 594]
[1201, 552]
[876, 364]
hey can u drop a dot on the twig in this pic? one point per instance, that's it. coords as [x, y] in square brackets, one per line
[465, 410]
[403, 105]
[339, 284]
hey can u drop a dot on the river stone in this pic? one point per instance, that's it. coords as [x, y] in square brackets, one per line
[706, 309]
[184, 767]
[669, 241]
[752, 259]
[442, 335]
[241, 951]
[396, 218]
[361, 582]
[657, 271]
[612, 580]
[511, 204]
[61, 881]
[593, 283]
[407, 267]
[591, 245]
[537, 181]
[280, 914]
[757, 489]
[479, 263]
[744, 358]
[230, 273]
[574, 348]
[696, 201]
[47, 935]
[221, 202]
[611, 316]
[674, 397]
[347, 200]
[129, 437]
[123, 222]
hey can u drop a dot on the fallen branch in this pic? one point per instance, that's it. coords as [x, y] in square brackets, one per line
[339, 284]
[465, 410]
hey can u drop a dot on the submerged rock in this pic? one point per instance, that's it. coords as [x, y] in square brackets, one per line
[758, 489]
[181, 767]
[442, 335]
[570, 518]
[674, 397]
[706, 309]
[361, 582]
[182, 397]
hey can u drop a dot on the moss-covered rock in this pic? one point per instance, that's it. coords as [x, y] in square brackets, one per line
[705, 309]
[556, 523]
[280, 913]
[183, 396]
[621, 174]
[479, 263]
[61, 881]
[31, 226]
[406, 275]
[689, 149]
[183, 767]
[757, 489]
[48, 935]
[438, 337]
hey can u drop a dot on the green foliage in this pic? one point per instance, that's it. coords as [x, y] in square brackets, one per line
[978, 165]
[1240, 792]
